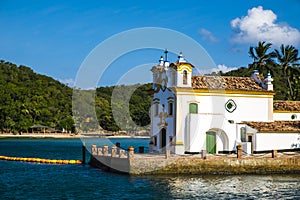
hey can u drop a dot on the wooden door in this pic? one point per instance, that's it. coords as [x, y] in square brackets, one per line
[211, 142]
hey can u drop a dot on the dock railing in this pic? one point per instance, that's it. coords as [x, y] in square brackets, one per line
[113, 151]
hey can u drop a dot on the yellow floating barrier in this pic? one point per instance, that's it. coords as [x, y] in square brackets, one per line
[65, 162]
[59, 162]
[41, 160]
[72, 162]
[79, 162]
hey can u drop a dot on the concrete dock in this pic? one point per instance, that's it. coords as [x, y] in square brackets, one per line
[118, 160]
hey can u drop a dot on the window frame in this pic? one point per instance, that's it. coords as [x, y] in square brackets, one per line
[190, 108]
[184, 77]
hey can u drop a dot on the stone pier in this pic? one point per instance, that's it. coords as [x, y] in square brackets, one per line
[121, 161]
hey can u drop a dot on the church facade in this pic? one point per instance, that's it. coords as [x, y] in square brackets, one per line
[191, 113]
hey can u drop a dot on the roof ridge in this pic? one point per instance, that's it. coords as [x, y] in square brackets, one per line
[222, 76]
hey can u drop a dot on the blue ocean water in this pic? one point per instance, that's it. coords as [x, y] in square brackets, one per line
[21, 180]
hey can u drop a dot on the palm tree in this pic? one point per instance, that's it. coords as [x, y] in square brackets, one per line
[260, 55]
[287, 57]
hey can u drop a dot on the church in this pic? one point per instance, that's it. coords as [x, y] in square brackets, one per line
[191, 113]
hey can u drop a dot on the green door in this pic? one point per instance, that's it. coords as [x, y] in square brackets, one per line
[211, 142]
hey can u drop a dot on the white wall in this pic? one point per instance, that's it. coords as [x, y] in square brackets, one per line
[213, 115]
[248, 108]
[285, 116]
[247, 147]
[277, 141]
[199, 124]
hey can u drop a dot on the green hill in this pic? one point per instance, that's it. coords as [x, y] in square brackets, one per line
[28, 98]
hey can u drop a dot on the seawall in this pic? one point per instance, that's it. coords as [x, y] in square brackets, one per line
[193, 165]
[120, 161]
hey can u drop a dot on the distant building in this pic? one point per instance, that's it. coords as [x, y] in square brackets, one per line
[216, 113]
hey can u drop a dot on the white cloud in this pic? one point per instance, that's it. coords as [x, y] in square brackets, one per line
[223, 68]
[68, 81]
[259, 25]
[207, 35]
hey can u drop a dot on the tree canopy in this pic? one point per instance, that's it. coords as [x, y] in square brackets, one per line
[282, 64]
[28, 98]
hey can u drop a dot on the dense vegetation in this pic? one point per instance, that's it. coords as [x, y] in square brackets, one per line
[28, 98]
[280, 83]
[282, 64]
[117, 108]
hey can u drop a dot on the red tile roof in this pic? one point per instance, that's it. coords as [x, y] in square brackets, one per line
[276, 126]
[286, 106]
[225, 82]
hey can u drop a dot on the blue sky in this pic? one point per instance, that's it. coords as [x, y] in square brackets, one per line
[54, 37]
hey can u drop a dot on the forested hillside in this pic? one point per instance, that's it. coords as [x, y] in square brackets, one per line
[28, 98]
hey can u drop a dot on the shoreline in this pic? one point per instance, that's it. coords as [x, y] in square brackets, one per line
[66, 136]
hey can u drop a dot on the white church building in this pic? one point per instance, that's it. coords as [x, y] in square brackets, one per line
[192, 113]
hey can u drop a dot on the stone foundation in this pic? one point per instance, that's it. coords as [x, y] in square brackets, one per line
[156, 164]
[191, 165]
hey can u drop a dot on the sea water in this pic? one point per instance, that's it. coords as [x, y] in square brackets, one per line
[21, 180]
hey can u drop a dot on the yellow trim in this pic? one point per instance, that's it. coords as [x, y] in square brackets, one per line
[236, 93]
[227, 95]
[286, 111]
[277, 132]
[177, 143]
[219, 91]
[184, 66]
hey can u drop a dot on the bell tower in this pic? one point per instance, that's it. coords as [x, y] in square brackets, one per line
[182, 72]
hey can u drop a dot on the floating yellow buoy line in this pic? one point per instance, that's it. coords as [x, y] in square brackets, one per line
[41, 160]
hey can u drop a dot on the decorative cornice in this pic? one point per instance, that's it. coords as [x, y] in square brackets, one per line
[286, 111]
[179, 143]
[214, 92]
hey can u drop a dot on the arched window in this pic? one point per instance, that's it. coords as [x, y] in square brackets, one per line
[170, 108]
[193, 108]
[184, 81]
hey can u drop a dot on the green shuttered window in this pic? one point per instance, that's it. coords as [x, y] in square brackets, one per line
[193, 108]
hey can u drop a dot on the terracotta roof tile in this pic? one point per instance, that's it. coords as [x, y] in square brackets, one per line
[276, 126]
[225, 82]
[286, 106]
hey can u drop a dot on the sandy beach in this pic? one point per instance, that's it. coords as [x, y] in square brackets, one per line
[65, 136]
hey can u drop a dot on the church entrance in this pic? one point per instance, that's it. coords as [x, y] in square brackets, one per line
[163, 138]
[211, 142]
